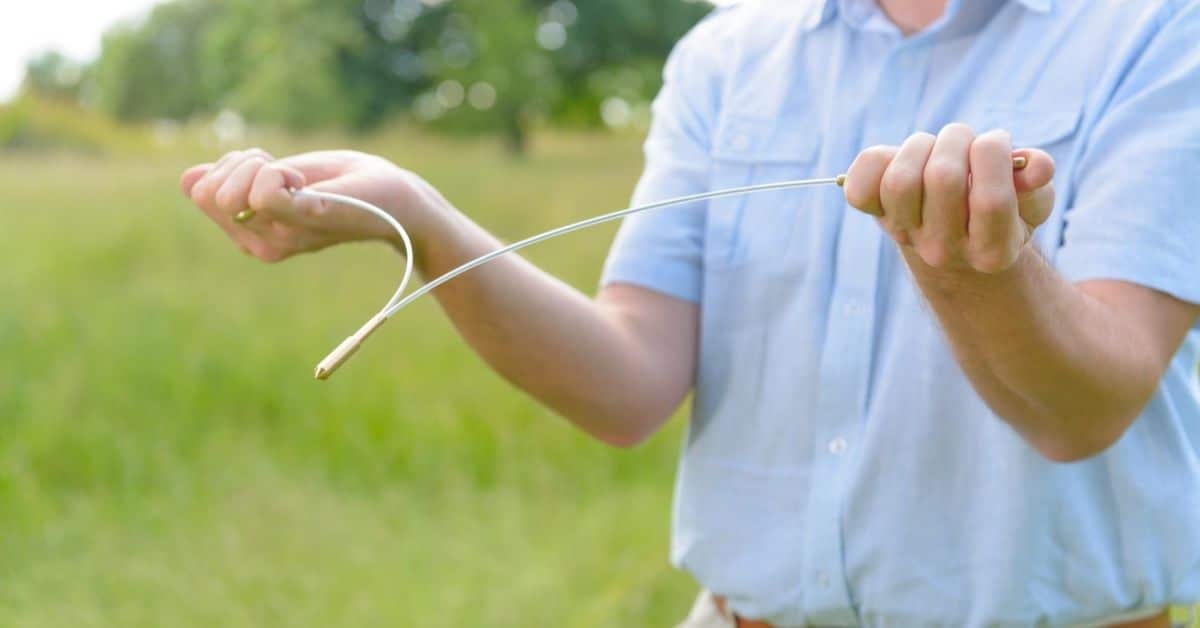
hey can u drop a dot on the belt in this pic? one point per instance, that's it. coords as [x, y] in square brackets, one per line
[1161, 620]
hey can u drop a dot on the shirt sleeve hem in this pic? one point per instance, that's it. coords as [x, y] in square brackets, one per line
[1099, 261]
[675, 280]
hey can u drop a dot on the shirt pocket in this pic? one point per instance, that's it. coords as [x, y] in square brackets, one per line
[1053, 128]
[749, 151]
[1047, 128]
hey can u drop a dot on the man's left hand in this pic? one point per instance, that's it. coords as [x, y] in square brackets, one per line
[955, 199]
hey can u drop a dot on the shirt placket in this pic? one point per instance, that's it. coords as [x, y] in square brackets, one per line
[846, 354]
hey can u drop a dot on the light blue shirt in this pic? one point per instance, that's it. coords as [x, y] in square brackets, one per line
[839, 468]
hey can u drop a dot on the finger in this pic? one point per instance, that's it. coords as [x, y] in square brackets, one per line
[1038, 171]
[862, 179]
[233, 196]
[205, 190]
[269, 192]
[321, 165]
[944, 211]
[994, 233]
[1035, 207]
[1035, 192]
[190, 176]
[900, 190]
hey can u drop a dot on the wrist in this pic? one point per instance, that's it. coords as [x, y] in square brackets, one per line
[432, 223]
[416, 205]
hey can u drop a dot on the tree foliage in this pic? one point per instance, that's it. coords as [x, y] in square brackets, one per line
[301, 64]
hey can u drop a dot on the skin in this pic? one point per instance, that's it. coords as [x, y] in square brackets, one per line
[1069, 366]
[568, 351]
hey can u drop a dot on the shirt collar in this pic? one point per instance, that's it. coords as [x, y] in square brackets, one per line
[825, 10]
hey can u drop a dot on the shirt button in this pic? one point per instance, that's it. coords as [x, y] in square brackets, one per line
[837, 446]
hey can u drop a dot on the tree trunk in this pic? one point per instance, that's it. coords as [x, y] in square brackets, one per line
[515, 137]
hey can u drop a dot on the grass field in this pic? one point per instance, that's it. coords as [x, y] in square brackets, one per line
[167, 460]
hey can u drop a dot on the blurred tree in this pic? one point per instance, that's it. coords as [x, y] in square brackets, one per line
[614, 49]
[466, 65]
[149, 70]
[279, 61]
[52, 75]
[494, 73]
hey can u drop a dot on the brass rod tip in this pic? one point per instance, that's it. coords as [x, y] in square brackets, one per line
[244, 216]
[342, 353]
[840, 180]
[1019, 162]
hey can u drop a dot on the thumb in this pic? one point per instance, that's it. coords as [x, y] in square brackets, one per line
[1037, 173]
[1035, 194]
[191, 176]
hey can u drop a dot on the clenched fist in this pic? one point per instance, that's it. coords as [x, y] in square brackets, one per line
[955, 199]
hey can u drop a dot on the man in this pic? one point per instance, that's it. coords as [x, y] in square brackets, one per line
[973, 402]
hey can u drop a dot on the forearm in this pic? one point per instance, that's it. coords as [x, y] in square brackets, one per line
[1068, 371]
[577, 356]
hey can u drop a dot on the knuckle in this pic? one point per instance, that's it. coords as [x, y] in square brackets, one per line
[891, 230]
[229, 200]
[259, 157]
[198, 193]
[259, 199]
[985, 147]
[901, 237]
[319, 209]
[993, 140]
[878, 154]
[991, 201]
[858, 196]
[203, 192]
[945, 175]
[958, 128]
[259, 161]
[934, 252]
[991, 259]
[900, 180]
[266, 252]
[921, 138]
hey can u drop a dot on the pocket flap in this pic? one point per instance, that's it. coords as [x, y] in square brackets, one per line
[1033, 128]
[788, 138]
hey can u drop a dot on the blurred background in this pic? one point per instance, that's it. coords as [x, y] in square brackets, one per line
[165, 456]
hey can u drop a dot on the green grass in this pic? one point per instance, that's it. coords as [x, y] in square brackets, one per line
[166, 458]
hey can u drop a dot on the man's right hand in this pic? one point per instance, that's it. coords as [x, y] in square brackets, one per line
[284, 225]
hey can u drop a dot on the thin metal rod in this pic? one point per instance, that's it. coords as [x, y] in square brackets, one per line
[348, 346]
[595, 220]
